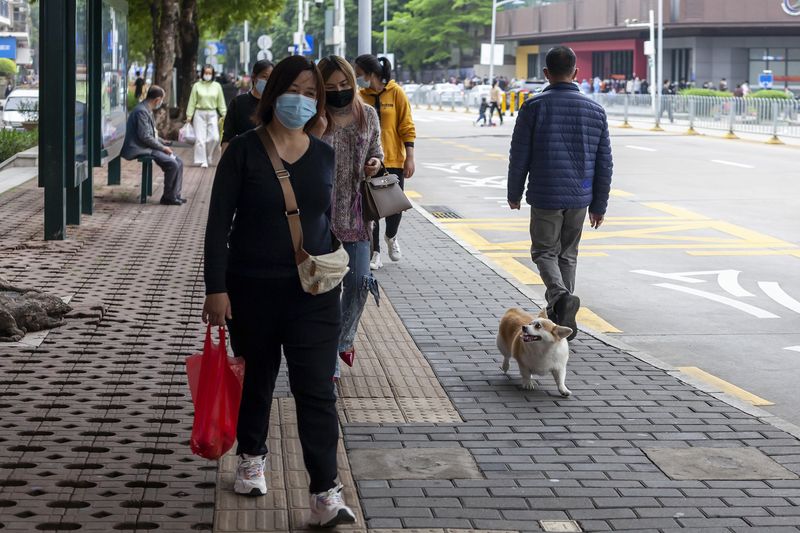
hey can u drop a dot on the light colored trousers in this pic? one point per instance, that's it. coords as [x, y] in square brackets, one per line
[555, 234]
[206, 129]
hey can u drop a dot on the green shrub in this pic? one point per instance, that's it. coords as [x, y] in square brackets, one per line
[132, 101]
[770, 93]
[705, 92]
[13, 142]
[7, 67]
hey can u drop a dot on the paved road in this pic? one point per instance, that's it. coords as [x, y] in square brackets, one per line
[697, 264]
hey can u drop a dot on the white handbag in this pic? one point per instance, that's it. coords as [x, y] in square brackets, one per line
[318, 273]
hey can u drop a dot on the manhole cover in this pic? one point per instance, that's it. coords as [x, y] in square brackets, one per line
[414, 463]
[717, 464]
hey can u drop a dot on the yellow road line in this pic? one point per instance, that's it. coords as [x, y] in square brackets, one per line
[674, 211]
[589, 319]
[412, 194]
[620, 193]
[522, 273]
[724, 386]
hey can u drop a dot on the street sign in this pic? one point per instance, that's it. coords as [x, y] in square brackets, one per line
[215, 48]
[766, 79]
[8, 47]
[264, 54]
[264, 42]
[486, 54]
[308, 45]
[649, 48]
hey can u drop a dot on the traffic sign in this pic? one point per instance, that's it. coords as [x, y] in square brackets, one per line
[264, 42]
[264, 54]
[215, 48]
[766, 79]
[308, 45]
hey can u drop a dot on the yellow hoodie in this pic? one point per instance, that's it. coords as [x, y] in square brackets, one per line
[397, 126]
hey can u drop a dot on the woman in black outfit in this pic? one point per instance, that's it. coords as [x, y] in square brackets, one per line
[242, 109]
[252, 282]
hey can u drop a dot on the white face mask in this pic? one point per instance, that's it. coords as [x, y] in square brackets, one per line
[207, 77]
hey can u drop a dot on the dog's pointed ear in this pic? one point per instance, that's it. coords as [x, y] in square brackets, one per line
[562, 332]
[543, 313]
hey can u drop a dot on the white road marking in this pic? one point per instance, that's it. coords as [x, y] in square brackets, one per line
[489, 182]
[642, 148]
[731, 163]
[774, 291]
[749, 309]
[793, 348]
[727, 279]
[472, 169]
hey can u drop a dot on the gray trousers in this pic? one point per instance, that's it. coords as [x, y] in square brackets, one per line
[173, 174]
[555, 234]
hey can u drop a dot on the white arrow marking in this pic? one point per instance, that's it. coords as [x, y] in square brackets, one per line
[459, 166]
[727, 279]
[472, 169]
[793, 348]
[774, 291]
[440, 167]
[749, 309]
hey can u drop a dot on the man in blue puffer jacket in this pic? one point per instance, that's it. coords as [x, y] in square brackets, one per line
[562, 148]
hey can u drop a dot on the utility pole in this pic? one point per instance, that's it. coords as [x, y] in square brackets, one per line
[364, 27]
[246, 49]
[660, 56]
[385, 19]
[340, 18]
[300, 28]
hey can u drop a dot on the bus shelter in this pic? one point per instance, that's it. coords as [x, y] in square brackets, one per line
[82, 104]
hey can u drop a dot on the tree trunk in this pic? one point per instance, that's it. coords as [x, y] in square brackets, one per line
[189, 40]
[164, 52]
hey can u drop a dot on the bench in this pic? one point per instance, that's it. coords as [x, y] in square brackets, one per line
[147, 177]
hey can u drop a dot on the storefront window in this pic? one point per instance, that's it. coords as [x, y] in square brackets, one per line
[783, 62]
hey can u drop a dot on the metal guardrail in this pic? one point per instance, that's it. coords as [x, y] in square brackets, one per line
[765, 116]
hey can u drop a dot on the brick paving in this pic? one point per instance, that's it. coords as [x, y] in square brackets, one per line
[95, 419]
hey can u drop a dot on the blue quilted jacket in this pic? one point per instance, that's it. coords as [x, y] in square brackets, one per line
[561, 141]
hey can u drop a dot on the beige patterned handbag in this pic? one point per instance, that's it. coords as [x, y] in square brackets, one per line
[318, 273]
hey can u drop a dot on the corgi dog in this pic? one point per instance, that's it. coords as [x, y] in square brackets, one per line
[538, 344]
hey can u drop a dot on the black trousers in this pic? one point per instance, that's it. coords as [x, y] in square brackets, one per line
[173, 174]
[495, 107]
[274, 314]
[392, 222]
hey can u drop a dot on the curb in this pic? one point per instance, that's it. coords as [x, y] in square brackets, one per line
[736, 403]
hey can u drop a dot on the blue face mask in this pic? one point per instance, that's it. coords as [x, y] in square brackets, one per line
[260, 86]
[295, 110]
[361, 82]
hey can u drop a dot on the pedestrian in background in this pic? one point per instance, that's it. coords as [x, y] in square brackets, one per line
[495, 95]
[354, 132]
[141, 138]
[242, 109]
[252, 281]
[206, 106]
[561, 147]
[397, 138]
[482, 112]
[138, 86]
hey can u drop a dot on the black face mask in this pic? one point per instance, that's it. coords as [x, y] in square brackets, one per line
[339, 98]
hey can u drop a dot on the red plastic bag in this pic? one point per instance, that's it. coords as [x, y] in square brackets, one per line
[215, 381]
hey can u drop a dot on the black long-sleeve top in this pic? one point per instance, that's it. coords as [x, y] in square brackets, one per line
[257, 242]
[239, 117]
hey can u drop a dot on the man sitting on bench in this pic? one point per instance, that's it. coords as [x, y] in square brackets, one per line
[141, 139]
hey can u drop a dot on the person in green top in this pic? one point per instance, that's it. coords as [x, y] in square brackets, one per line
[206, 106]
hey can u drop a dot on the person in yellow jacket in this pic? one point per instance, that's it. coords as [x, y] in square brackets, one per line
[397, 137]
[206, 107]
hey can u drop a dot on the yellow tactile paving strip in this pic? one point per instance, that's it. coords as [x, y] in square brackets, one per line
[285, 507]
[390, 383]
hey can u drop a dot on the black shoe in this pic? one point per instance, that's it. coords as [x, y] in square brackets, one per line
[182, 200]
[167, 201]
[566, 308]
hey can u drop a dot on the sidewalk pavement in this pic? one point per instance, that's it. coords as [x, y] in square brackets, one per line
[96, 419]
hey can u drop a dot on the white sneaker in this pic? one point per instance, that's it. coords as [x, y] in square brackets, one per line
[250, 480]
[394, 249]
[328, 509]
[375, 263]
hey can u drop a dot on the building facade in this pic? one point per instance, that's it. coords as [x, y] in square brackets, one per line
[704, 40]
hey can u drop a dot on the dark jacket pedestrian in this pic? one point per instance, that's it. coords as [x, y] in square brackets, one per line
[138, 86]
[561, 148]
[240, 117]
[141, 138]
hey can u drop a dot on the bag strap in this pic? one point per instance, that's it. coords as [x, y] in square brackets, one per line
[289, 199]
